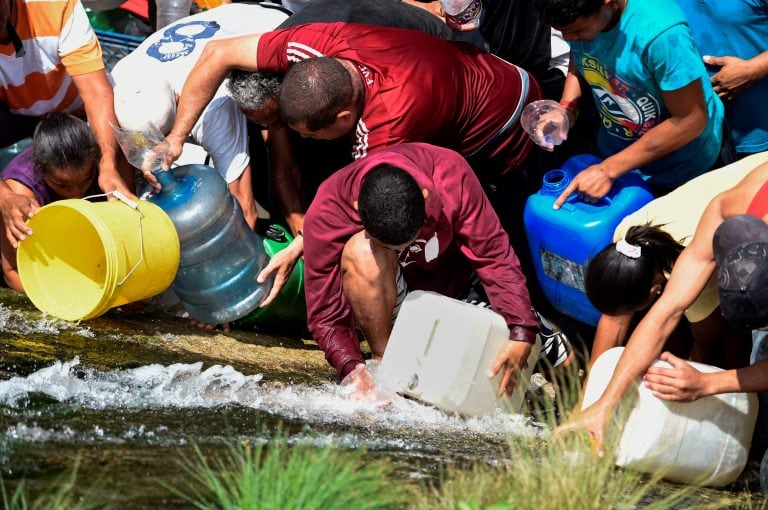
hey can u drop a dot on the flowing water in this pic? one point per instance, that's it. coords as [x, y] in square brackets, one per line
[127, 395]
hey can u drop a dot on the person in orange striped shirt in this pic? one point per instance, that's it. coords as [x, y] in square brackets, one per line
[50, 60]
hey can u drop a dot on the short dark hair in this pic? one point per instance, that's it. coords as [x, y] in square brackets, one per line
[391, 205]
[559, 13]
[616, 283]
[64, 142]
[252, 90]
[314, 91]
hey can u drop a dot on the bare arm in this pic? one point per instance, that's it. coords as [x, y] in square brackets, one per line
[612, 331]
[242, 189]
[96, 91]
[214, 65]
[287, 181]
[432, 7]
[571, 91]
[688, 118]
[7, 251]
[286, 176]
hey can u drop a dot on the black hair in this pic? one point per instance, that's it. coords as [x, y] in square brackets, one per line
[616, 283]
[314, 91]
[391, 205]
[64, 142]
[559, 13]
[252, 90]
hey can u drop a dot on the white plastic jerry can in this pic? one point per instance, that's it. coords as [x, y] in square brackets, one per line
[440, 351]
[705, 442]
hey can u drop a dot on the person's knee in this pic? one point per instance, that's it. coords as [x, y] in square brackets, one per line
[363, 264]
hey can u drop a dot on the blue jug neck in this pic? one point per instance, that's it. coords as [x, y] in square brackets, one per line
[167, 179]
[554, 182]
[175, 190]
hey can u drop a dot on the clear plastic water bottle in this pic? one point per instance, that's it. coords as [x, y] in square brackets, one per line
[221, 257]
[463, 13]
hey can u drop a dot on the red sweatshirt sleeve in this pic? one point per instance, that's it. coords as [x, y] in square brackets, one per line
[328, 225]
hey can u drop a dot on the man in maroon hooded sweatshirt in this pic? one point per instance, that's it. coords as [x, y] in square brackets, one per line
[412, 215]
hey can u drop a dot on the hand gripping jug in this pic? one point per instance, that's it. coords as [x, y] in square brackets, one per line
[289, 310]
[440, 350]
[220, 255]
[563, 240]
[705, 442]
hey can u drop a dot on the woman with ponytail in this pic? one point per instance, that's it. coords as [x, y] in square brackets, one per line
[627, 277]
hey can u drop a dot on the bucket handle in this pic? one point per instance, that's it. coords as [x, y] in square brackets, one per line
[133, 205]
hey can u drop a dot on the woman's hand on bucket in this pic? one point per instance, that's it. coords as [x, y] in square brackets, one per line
[16, 210]
[282, 265]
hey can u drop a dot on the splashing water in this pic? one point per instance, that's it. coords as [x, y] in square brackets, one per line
[191, 386]
[14, 323]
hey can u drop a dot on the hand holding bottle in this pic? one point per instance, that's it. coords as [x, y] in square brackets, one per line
[462, 15]
[546, 122]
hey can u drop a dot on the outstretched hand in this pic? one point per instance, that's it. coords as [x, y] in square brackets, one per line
[359, 385]
[681, 383]
[591, 184]
[154, 160]
[594, 421]
[512, 358]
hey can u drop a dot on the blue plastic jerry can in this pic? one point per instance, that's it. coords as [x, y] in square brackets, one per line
[563, 241]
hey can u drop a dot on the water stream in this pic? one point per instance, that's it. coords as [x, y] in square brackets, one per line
[126, 396]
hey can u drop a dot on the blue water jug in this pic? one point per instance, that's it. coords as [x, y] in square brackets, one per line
[562, 241]
[8, 153]
[220, 255]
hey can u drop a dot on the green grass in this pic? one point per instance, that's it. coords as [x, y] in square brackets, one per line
[282, 477]
[62, 497]
[560, 474]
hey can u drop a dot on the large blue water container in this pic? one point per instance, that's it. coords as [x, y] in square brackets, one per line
[220, 255]
[562, 241]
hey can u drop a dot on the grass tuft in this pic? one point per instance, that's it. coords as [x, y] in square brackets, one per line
[279, 477]
[63, 497]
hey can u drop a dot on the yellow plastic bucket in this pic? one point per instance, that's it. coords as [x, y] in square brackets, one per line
[85, 258]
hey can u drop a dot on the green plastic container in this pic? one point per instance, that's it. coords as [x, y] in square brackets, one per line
[289, 310]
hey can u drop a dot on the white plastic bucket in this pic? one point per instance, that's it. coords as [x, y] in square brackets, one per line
[440, 350]
[705, 442]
